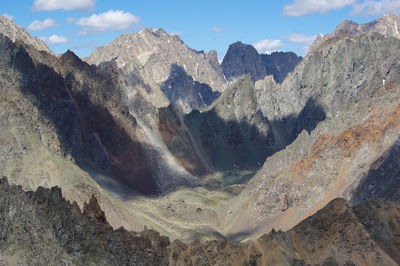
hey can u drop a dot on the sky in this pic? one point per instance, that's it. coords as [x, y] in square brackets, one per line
[269, 25]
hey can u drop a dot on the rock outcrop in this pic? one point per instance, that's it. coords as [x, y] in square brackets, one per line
[158, 59]
[388, 26]
[42, 228]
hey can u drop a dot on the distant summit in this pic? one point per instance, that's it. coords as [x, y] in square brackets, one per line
[387, 25]
[242, 59]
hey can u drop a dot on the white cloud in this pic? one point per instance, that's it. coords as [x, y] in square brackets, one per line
[376, 8]
[48, 5]
[268, 46]
[54, 39]
[303, 40]
[41, 25]
[110, 20]
[175, 33]
[8, 16]
[304, 7]
[219, 29]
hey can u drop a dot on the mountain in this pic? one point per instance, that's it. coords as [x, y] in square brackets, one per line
[161, 61]
[349, 136]
[242, 59]
[17, 33]
[263, 155]
[338, 234]
[388, 25]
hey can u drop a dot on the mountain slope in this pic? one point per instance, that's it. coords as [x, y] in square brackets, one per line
[336, 234]
[17, 33]
[151, 56]
[344, 77]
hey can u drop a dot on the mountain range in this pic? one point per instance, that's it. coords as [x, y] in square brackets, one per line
[147, 133]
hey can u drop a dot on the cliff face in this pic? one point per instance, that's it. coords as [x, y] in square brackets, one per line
[41, 227]
[158, 58]
[280, 64]
[242, 59]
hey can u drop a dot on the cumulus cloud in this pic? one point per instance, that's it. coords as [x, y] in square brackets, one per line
[49, 5]
[54, 39]
[110, 20]
[41, 25]
[175, 33]
[303, 40]
[304, 7]
[8, 16]
[268, 46]
[376, 8]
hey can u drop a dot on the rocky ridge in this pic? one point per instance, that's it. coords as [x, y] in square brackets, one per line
[337, 234]
[17, 33]
[388, 25]
[158, 59]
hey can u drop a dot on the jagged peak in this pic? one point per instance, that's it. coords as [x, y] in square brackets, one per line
[388, 25]
[92, 209]
[389, 17]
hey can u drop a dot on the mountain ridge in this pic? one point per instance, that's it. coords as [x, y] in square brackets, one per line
[76, 237]
[15, 32]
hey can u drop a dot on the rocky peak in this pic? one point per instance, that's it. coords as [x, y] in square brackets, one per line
[387, 25]
[17, 33]
[93, 209]
[242, 59]
[152, 55]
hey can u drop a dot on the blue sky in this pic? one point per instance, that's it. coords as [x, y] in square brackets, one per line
[291, 25]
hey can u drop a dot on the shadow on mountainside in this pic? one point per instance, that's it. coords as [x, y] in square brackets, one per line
[86, 129]
[229, 145]
[383, 178]
[95, 127]
[186, 93]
